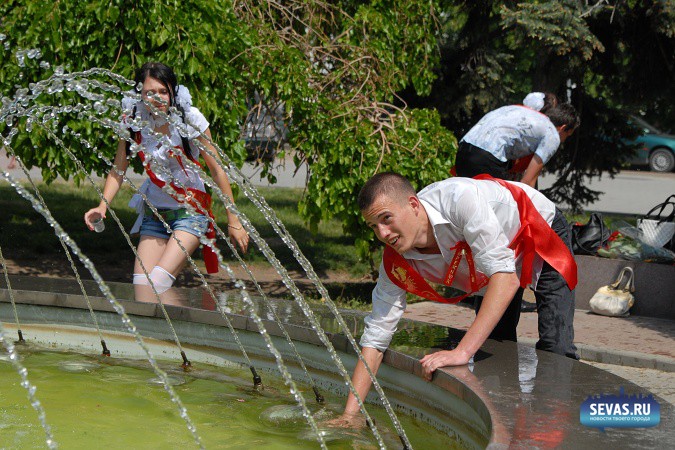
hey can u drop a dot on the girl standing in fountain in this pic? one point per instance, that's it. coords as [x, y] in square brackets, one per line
[167, 165]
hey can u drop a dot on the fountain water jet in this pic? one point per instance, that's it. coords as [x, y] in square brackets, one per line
[55, 84]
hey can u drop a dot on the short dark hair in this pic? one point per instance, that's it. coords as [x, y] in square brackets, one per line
[163, 73]
[395, 186]
[564, 114]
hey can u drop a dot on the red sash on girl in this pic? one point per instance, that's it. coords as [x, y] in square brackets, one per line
[197, 199]
[535, 236]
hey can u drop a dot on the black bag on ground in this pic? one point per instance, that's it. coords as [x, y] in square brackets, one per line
[588, 238]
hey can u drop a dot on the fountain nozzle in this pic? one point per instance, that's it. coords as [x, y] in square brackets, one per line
[20, 341]
[105, 351]
[257, 381]
[405, 445]
[317, 394]
[187, 365]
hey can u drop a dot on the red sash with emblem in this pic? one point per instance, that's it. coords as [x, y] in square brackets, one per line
[402, 274]
[535, 236]
[197, 199]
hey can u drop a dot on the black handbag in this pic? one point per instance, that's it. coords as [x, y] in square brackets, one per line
[588, 238]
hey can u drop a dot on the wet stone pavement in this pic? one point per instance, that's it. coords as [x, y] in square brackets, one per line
[639, 349]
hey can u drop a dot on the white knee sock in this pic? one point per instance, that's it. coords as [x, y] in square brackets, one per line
[161, 279]
[140, 278]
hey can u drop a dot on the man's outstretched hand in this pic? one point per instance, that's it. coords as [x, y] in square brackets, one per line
[441, 359]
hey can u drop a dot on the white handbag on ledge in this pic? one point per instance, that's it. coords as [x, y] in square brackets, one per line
[658, 226]
[613, 300]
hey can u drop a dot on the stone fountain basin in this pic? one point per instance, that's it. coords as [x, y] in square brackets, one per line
[512, 395]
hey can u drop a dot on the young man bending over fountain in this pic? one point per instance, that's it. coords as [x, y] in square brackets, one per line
[172, 165]
[471, 233]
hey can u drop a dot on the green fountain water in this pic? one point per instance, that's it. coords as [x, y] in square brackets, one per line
[120, 402]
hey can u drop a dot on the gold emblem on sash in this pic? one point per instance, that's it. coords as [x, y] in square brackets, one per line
[402, 276]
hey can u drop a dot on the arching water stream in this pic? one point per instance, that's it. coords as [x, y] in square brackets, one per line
[97, 99]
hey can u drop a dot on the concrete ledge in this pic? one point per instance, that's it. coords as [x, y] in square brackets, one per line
[654, 284]
[617, 357]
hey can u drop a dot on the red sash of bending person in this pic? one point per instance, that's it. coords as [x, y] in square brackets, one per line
[520, 164]
[535, 236]
[402, 274]
[197, 199]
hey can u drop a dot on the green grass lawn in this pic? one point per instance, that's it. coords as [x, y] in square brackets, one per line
[24, 233]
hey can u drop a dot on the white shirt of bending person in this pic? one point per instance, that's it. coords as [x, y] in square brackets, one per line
[479, 212]
[512, 132]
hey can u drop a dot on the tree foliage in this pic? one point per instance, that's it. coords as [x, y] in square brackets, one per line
[336, 67]
[365, 86]
[616, 55]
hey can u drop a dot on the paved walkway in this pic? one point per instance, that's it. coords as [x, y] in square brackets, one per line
[640, 349]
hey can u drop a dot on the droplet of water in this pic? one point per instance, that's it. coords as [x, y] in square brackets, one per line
[2, 37]
[21, 93]
[45, 65]
[100, 107]
[139, 87]
[114, 103]
[58, 70]
[20, 58]
[33, 53]
[56, 86]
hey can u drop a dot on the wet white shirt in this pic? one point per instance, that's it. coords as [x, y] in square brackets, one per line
[165, 166]
[480, 213]
[514, 131]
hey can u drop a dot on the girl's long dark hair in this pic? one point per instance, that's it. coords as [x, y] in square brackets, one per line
[163, 73]
[167, 76]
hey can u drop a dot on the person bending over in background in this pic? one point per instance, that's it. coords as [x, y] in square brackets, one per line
[515, 141]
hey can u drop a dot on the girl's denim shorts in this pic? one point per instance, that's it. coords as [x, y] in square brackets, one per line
[194, 224]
